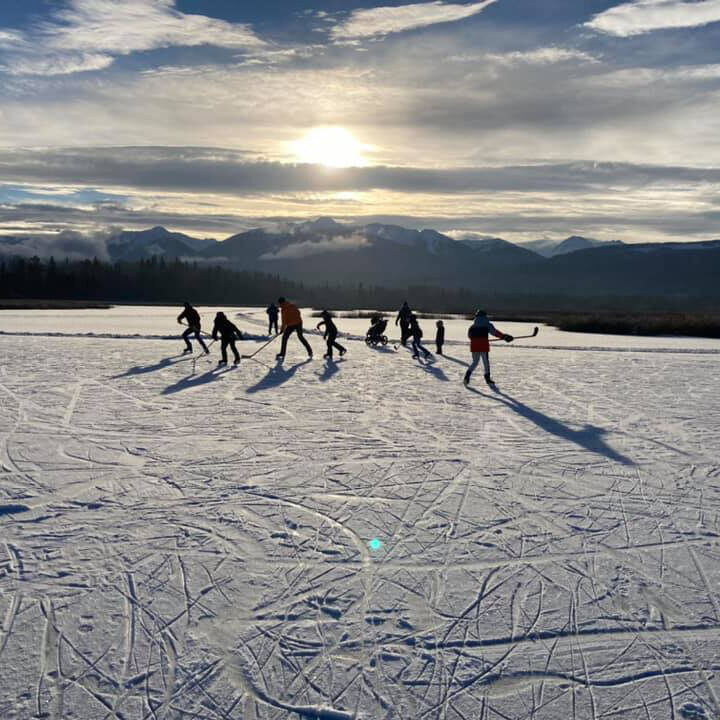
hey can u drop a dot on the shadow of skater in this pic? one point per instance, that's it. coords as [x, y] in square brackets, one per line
[276, 376]
[141, 370]
[195, 381]
[456, 360]
[331, 368]
[590, 437]
[437, 372]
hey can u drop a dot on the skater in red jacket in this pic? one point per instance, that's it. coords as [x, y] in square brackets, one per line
[480, 344]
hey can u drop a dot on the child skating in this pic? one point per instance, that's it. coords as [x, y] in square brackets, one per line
[331, 333]
[439, 337]
[480, 345]
[416, 335]
[228, 332]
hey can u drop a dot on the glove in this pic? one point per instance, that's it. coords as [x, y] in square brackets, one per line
[508, 338]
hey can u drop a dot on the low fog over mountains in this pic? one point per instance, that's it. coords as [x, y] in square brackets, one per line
[324, 251]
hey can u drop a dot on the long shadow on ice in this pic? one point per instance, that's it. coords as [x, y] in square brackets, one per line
[161, 365]
[590, 437]
[277, 376]
[455, 360]
[431, 369]
[331, 368]
[195, 381]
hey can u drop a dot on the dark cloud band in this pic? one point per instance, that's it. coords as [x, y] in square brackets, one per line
[217, 171]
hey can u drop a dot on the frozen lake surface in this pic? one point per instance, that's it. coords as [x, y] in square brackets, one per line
[359, 539]
[159, 321]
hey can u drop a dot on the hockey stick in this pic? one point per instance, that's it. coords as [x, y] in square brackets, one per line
[195, 357]
[202, 332]
[250, 357]
[520, 337]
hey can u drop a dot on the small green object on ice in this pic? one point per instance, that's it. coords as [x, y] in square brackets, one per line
[375, 544]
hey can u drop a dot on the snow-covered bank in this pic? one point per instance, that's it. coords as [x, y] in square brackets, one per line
[179, 544]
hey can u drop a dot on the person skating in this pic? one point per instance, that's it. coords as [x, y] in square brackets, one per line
[439, 337]
[272, 313]
[228, 332]
[403, 319]
[291, 323]
[416, 335]
[331, 333]
[480, 344]
[193, 320]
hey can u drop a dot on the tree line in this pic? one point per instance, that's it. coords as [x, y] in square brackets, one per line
[171, 282]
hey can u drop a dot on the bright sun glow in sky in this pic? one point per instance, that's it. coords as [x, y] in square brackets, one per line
[500, 118]
[330, 146]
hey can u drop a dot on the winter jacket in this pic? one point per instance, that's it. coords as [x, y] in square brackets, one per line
[440, 335]
[227, 330]
[330, 327]
[403, 317]
[272, 311]
[415, 330]
[478, 334]
[192, 316]
[290, 315]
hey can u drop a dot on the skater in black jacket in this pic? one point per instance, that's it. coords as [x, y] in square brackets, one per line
[403, 319]
[272, 312]
[416, 335]
[193, 320]
[228, 332]
[331, 333]
[439, 337]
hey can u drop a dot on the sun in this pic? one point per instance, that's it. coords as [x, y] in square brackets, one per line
[330, 146]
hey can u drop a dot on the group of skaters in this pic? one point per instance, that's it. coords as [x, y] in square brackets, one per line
[291, 322]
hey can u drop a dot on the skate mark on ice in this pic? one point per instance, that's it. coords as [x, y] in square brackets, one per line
[73, 402]
[9, 620]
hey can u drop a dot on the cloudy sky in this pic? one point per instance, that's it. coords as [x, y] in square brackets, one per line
[504, 117]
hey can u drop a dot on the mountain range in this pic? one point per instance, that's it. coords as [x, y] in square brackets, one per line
[324, 251]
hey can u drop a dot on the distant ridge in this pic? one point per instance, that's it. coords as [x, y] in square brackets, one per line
[324, 251]
[553, 248]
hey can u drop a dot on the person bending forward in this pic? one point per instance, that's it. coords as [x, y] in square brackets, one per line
[291, 323]
[228, 332]
[193, 320]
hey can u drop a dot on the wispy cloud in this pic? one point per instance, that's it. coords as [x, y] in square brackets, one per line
[541, 56]
[89, 34]
[644, 16]
[646, 77]
[309, 248]
[551, 55]
[386, 20]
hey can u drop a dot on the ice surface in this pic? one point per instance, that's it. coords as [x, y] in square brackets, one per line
[159, 321]
[200, 544]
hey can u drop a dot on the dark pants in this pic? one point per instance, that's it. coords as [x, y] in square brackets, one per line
[331, 338]
[289, 330]
[417, 347]
[224, 342]
[272, 323]
[196, 332]
[438, 348]
[404, 332]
